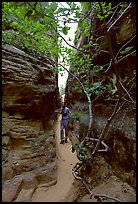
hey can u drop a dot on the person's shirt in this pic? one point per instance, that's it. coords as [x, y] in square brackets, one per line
[65, 113]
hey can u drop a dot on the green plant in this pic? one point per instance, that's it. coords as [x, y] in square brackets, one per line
[76, 115]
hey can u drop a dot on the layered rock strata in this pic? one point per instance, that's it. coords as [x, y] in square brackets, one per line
[29, 99]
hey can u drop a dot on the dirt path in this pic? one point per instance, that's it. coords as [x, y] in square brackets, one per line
[65, 191]
[65, 161]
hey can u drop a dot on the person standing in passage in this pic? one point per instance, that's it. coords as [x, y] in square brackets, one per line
[65, 111]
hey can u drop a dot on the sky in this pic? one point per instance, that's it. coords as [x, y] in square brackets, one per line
[62, 79]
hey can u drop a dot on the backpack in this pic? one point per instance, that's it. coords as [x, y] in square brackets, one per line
[65, 112]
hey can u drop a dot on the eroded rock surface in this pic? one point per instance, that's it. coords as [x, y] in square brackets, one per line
[29, 99]
[121, 134]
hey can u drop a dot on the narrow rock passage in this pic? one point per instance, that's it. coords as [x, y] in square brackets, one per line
[65, 161]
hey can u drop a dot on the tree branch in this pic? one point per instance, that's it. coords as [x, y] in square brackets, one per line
[119, 17]
[124, 46]
[123, 97]
[127, 100]
[83, 51]
[76, 175]
[127, 92]
[126, 56]
[116, 7]
[107, 125]
[87, 95]
[106, 196]
[108, 66]
[70, 44]
[87, 14]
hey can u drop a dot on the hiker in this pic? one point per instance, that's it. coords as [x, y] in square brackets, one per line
[65, 111]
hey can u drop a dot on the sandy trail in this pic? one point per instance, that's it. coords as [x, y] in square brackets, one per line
[65, 161]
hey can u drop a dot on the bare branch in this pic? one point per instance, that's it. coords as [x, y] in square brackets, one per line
[131, 80]
[70, 44]
[74, 77]
[123, 97]
[76, 175]
[87, 95]
[61, 4]
[118, 85]
[126, 92]
[106, 148]
[130, 87]
[104, 51]
[108, 66]
[124, 46]
[83, 51]
[99, 38]
[95, 99]
[127, 100]
[126, 56]
[113, 13]
[119, 17]
[120, 107]
[87, 14]
[106, 196]
[107, 125]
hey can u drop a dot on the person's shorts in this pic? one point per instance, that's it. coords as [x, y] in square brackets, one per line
[64, 123]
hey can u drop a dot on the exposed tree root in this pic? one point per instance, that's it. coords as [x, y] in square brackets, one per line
[75, 172]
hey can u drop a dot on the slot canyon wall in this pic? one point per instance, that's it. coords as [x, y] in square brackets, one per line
[121, 135]
[29, 98]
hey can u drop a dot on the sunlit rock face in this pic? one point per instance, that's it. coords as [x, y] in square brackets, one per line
[29, 99]
[121, 135]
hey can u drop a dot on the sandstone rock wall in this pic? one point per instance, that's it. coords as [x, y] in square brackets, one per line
[29, 99]
[121, 136]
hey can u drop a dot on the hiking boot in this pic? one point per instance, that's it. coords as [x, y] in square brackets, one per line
[66, 140]
[62, 142]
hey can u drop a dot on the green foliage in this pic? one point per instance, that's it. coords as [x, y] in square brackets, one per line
[52, 7]
[125, 51]
[85, 28]
[65, 30]
[85, 150]
[123, 5]
[33, 26]
[76, 115]
[106, 7]
[28, 32]
[86, 6]
[97, 88]
[97, 69]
